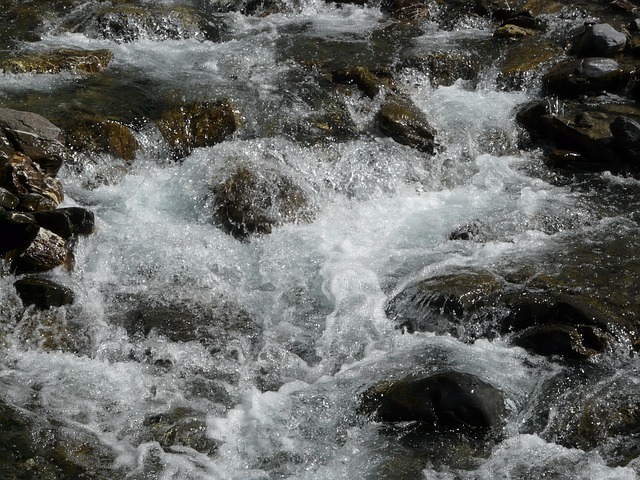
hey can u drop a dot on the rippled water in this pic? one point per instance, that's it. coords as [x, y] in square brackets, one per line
[283, 403]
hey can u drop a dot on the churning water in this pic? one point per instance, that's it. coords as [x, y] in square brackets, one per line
[275, 390]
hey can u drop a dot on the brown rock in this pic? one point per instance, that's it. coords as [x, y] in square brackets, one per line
[406, 124]
[46, 251]
[62, 60]
[198, 124]
[24, 178]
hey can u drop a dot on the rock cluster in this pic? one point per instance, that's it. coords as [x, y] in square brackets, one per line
[37, 236]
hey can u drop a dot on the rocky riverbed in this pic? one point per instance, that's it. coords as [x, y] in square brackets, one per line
[297, 239]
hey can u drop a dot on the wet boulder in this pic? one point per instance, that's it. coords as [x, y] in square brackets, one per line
[45, 252]
[198, 124]
[599, 40]
[586, 76]
[32, 447]
[33, 135]
[445, 401]
[626, 138]
[180, 427]
[35, 189]
[555, 324]
[406, 124]
[446, 303]
[126, 22]
[103, 135]
[512, 31]
[18, 231]
[66, 222]
[254, 202]
[42, 293]
[61, 60]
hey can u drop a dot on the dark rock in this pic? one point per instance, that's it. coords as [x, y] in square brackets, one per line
[443, 304]
[8, 200]
[198, 124]
[46, 251]
[366, 81]
[568, 341]
[602, 417]
[410, 10]
[593, 75]
[18, 231]
[530, 308]
[35, 189]
[62, 60]
[444, 401]
[626, 130]
[407, 125]
[220, 326]
[33, 448]
[43, 293]
[599, 40]
[35, 136]
[570, 127]
[249, 202]
[66, 222]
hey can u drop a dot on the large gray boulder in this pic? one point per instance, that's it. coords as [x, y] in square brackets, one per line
[599, 40]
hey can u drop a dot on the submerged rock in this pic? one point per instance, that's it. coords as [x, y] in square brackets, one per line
[406, 124]
[444, 304]
[221, 326]
[181, 427]
[604, 417]
[251, 201]
[444, 401]
[573, 127]
[62, 60]
[198, 124]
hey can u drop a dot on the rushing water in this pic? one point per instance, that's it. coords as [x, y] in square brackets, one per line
[280, 398]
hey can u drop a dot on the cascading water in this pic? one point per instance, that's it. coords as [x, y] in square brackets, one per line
[189, 353]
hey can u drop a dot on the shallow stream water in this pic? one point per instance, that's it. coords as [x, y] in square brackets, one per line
[277, 396]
